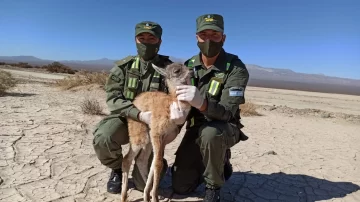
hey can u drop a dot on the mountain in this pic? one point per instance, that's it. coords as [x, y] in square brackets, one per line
[93, 65]
[289, 75]
[259, 76]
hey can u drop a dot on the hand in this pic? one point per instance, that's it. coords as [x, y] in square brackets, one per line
[177, 115]
[190, 94]
[145, 117]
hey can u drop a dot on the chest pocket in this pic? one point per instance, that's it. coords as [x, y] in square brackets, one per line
[216, 83]
[134, 76]
[215, 86]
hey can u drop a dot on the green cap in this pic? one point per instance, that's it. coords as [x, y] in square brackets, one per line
[149, 27]
[210, 21]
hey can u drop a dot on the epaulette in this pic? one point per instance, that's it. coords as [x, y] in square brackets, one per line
[190, 62]
[124, 60]
[187, 61]
[231, 56]
[163, 56]
[238, 62]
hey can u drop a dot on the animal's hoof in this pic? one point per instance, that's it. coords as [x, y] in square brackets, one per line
[155, 199]
[123, 199]
[147, 198]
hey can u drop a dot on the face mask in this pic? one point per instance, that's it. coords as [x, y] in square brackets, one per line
[210, 48]
[147, 51]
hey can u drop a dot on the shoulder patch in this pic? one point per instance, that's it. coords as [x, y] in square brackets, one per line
[236, 92]
[124, 60]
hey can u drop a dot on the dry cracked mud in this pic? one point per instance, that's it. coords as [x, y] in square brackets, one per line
[46, 153]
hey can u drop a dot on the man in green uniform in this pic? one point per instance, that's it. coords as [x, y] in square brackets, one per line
[213, 125]
[129, 77]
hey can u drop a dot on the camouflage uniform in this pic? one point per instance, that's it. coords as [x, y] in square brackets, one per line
[129, 77]
[201, 155]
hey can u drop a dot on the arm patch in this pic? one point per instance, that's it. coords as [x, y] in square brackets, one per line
[236, 92]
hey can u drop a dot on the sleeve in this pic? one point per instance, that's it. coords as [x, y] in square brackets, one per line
[115, 99]
[232, 95]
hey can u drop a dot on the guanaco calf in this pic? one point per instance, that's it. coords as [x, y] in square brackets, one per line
[161, 132]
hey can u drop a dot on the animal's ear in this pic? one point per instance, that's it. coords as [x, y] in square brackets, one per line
[159, 70]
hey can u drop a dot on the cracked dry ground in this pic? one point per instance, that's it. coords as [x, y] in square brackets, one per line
[46, 154]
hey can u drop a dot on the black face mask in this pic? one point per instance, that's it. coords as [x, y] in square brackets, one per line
[147, 51]
[210, 48]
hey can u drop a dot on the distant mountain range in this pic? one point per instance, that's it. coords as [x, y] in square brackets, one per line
[259, 76]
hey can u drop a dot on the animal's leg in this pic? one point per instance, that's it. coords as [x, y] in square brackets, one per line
[158, 164]
[149, 181]
[127, 161]
[156, 167]
[142, 161]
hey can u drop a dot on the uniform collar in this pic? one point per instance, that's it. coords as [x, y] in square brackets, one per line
[146, 65]
[219, 64]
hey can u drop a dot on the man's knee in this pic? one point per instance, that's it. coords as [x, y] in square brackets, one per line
[111, 129]
[218, 134]
[109, 134]
[211, 133]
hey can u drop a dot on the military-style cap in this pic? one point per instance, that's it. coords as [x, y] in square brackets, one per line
[210, 21]
[149, 27]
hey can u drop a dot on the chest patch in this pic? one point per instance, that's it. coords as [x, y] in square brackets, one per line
[236, 92]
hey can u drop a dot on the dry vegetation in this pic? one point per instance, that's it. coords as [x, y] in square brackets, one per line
[249, 109]
[82, 78]
[55, 67]
[91, 106]
[7, 81]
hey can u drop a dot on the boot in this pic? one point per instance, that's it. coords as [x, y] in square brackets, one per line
[228, 170]
[212, 195]
[114, 183]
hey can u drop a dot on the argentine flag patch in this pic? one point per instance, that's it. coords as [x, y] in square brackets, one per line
[236, 92]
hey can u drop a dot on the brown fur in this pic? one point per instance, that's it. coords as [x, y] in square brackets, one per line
[163, 130]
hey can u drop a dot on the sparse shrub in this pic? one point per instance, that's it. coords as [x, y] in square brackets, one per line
[24, 65]
[7, 81]
[57, 67]
[325, 115]
[249, 109]
[82, 78]
[91, 106]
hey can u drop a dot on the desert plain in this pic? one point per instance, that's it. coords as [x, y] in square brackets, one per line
[304, 146]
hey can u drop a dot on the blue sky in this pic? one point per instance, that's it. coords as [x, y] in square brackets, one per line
[309, 36]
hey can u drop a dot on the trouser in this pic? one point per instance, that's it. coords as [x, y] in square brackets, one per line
[109, 134]
[201, 156]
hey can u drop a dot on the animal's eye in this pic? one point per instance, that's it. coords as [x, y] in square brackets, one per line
[176, 71]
